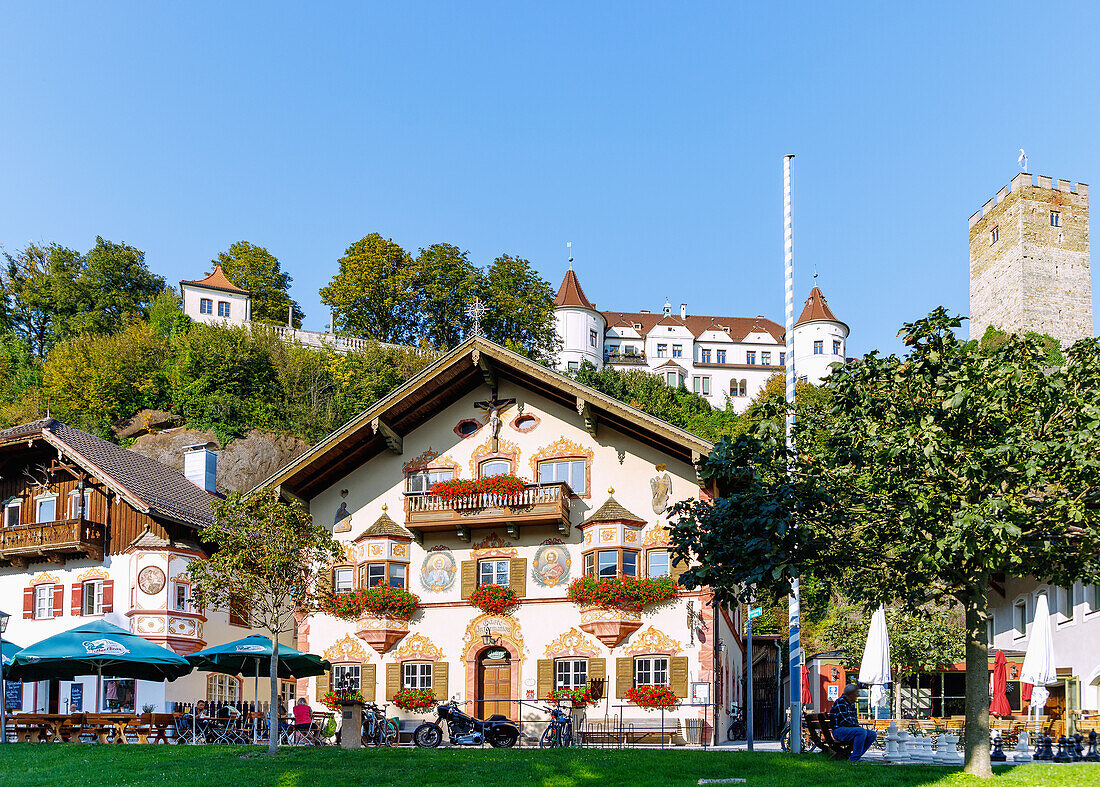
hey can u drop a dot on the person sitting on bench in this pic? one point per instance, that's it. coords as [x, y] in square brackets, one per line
[846, 723]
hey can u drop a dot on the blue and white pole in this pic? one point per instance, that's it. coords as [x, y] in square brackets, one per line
[795, 651]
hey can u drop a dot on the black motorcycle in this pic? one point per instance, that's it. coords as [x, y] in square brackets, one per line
[465, 730]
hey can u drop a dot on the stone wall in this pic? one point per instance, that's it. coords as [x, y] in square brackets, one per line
[1036, 276]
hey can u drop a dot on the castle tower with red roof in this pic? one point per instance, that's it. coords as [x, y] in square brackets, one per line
[819, 339]
[580, 327]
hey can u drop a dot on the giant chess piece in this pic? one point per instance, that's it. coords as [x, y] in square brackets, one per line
[904, 752]
[998, 753]
[1021, 754]
[949, 750]
[1093, 755]
[1076, 749]
[1042, 749]
[1063, 754]
[891, 753]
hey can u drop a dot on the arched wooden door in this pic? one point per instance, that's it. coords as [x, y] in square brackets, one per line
[494, 683]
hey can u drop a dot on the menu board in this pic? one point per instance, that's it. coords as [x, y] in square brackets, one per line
[13, 695]
[76, 697]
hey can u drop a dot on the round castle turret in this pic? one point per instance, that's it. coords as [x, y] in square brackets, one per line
[819, 339]
[579, 326]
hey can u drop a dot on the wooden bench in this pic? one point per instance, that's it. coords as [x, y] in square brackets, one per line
[632, 732]
[820, 728]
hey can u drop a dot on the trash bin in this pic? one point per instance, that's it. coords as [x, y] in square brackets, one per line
[696, 731]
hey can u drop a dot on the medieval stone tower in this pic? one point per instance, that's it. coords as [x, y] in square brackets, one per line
[1029, 260]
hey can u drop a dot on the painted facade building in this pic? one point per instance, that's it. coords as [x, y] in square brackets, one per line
[726, 360]
[600, 478]
[92, 530]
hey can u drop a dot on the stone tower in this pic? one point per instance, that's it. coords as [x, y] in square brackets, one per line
[1029, 260]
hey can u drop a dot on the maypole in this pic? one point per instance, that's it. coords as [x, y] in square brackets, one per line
[795, 651]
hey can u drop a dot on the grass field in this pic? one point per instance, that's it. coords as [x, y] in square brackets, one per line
[223, 766]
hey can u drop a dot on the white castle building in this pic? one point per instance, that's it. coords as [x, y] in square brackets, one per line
[723, 359]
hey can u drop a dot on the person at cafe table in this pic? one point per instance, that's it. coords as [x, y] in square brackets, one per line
[200, 714]
[846, 723]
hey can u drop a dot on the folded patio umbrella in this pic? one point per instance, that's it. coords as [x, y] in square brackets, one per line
[999, 706]
[875, 667]
[96, 648]
[1039, 669]
[806, 696]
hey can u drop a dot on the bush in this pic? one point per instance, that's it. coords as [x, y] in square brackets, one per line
[621, 592]
[381, 600]
[494, 599]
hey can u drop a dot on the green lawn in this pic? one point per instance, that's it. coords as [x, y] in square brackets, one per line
[223, 766]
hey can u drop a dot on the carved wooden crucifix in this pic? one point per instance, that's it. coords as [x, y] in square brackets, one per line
[494, 407]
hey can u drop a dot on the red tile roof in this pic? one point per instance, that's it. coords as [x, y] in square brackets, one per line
[217, 281]
[738, 327]
[816, 308]
[571, 294]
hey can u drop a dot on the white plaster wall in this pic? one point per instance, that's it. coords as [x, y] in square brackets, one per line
[816, 368]
[573, 325]
[239, 305]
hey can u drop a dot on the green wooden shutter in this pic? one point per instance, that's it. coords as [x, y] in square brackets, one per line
[517, 576]
[440, 686]
[678, 676]
[469, 577]
[624, 676]
[545, 677]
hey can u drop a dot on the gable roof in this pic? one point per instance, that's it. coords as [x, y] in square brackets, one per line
[216, 280]
[451, 377]
[146, 484]
[737, 327]
[571, 294]
[816, 308]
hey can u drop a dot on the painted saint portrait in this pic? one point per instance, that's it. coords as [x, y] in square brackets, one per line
[438, 571]
[342, 522]
[551, 566]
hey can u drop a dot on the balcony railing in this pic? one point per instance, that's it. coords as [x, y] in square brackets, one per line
[537, 504]
[52, 540]
[623, 358]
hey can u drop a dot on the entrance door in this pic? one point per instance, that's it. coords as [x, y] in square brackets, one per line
[494, 683]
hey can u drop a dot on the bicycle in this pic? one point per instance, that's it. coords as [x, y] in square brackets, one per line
[736, 731]
[785, 736]
[559, 732]
[377, 729]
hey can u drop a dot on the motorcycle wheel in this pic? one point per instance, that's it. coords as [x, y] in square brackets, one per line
[427, 736]
[549, 737]
[504, 740]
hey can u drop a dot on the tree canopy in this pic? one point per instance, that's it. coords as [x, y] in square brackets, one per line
[940, 469]
[374, 292]
[257, 270]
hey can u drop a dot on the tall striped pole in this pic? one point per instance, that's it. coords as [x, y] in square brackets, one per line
[795, 650]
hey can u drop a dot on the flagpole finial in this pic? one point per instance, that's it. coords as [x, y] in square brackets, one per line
[569, 247]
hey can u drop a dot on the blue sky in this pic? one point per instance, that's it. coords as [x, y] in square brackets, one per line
[650, 135]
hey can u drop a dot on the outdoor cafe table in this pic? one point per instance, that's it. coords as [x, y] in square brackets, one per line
[103, 722]
[49, 723]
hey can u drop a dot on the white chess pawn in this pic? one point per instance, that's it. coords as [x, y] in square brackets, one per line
[891, 754]
[904, 751]
[1022, 752]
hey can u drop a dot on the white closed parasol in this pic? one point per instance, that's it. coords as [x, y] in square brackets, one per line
[1039, 669]
[875, 667]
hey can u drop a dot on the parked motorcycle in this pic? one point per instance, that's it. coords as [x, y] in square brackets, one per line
[465, 730]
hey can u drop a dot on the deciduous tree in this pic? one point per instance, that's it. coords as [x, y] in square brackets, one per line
[257, 270]
[267, 559]
[374, 293]
[521, 308]
[447, 282]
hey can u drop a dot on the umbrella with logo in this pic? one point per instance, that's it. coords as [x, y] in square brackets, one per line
[253, 654]
[1038, 668]
[96, 648]
[7, 650]
[875, 667]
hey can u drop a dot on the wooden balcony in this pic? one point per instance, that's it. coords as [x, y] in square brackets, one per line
[537, 504]
[53, 541]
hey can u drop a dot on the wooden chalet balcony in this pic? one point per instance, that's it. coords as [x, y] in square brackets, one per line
[53, 541]
[537, 504]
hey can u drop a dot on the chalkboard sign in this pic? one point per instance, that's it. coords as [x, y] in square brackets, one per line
[76, 697]
[13, 695]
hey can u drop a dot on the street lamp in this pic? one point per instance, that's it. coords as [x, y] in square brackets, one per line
[487, 636]
[4, 617]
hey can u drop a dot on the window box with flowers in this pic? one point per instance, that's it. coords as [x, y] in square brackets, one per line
[492, 490]
[381, 613]
[611, 608]
[334, 699]
[580, 697]
[415, 700]
[651, 697]
[494, 599]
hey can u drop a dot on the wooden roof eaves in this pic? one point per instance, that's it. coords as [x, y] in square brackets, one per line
[96, 472]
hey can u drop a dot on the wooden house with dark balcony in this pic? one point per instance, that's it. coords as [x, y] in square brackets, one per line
[490, 469]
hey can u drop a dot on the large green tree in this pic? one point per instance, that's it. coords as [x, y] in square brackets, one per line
[41, 284]
[267, 558]
[374, 293]
[257, 270]
[521, 308]
[942, 468]
[447, 282]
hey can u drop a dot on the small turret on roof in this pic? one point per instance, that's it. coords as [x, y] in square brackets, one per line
[384, 527]
[816, 308]
[217, 280]
[571, 294]
[611, 512]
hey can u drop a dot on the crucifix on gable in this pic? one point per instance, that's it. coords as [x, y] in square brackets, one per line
[494, 407]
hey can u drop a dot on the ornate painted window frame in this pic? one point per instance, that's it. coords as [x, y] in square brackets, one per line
[563, 449]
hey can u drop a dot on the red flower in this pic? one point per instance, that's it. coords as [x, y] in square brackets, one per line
[580, 697]
[381, 600]
[652, 696]
[414, 699]
[333, 699]
[495, 599]
[505, 485]
[621, 592]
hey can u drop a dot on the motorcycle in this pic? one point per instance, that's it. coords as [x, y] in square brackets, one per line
[464, 730]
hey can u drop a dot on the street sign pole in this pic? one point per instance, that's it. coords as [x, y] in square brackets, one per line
[748, 687]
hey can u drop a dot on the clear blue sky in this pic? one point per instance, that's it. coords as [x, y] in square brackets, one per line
[650, 135]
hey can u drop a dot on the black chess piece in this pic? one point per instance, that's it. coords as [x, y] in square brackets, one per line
[998, 754]
[1093, 755]
[1076, 749]
[1044, 753]
[1063, 754]
[1039, 743]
